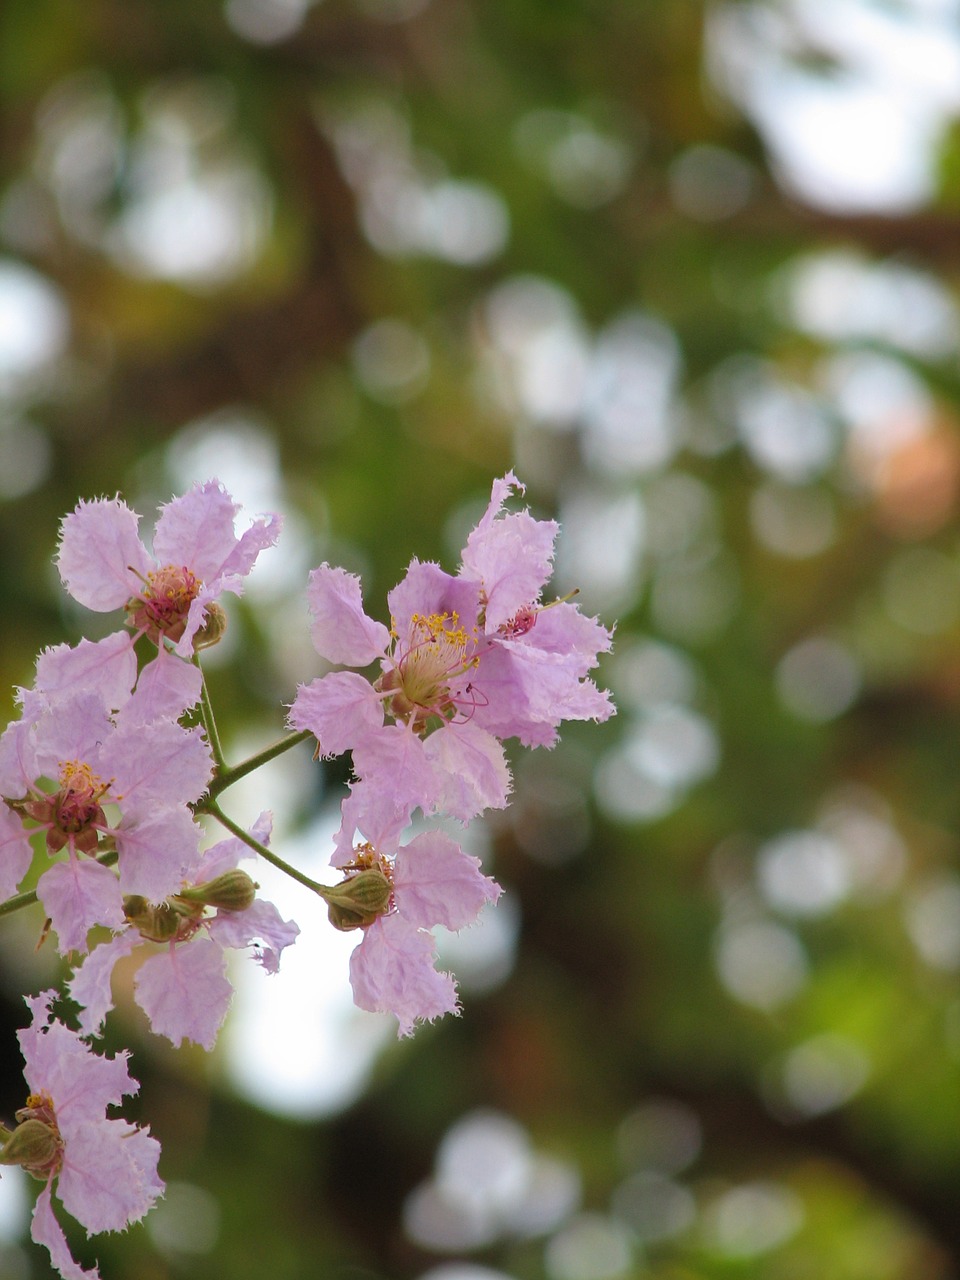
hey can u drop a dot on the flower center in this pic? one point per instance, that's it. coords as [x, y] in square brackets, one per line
[72, 815]
[161, 608]
[421, 678]
[78, 801]
[521, 622]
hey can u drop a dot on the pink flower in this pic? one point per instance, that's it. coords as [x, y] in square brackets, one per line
[468, 662]
[183, 988]
[86, 777]
[430, 754]
[396, 900]
[105, 1170]
[535, 656]
[170, 596]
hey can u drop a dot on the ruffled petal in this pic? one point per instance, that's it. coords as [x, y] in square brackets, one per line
[392, 971]
[339, 709]
[58, 1062]
[340, 629]
[46, 1230]
[107, 668]
[260, 926]
[470, 771]
[435, 882]
[156, 852]
[511, 554]
[167, 687]
[16, 853]
[76, 895]
[102, 561]
[196, 530]
[109, 1176]
[157, 764]
[90, 985]
[426, 589]
[184, 993]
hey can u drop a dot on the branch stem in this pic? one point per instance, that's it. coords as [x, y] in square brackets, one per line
[226, 776]
[210, 806]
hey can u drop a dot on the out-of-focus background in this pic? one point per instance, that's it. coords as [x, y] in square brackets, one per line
[691, 269]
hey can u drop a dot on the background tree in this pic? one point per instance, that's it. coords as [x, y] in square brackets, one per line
[691, 271]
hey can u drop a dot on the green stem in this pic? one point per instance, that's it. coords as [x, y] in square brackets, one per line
[210, 806]
[210, 724]
[30, 897]
[226, 777]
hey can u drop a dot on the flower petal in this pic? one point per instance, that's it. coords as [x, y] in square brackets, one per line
[102, 561]
[340, 629]
[435, 882]
[392, 971]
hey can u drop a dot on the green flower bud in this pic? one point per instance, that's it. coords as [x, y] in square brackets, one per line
[232, 891]
[358, 900]
[214, 625]
[34, 1146]
[156, 923]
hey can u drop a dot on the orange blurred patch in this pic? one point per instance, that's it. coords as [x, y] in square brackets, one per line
[917, 484]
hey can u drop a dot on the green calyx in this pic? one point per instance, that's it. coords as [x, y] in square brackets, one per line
[33, 1145]
[358, 900]
[232, 891]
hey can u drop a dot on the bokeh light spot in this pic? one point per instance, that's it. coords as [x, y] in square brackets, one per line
[761, 963]
[818, 679]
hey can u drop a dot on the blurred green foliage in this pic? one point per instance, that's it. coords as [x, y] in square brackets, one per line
[359, 258]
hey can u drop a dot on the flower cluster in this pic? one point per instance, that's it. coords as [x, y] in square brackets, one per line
[115, 759]
[468, 660]
[105, 1169]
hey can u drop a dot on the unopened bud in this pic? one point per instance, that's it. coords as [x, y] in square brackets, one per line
[232, 891]
[155, 923]
[358, 900]
[214, 625]
[34, 1146]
